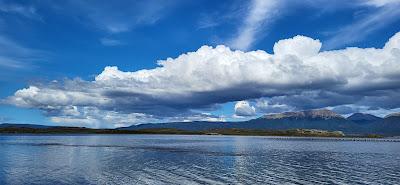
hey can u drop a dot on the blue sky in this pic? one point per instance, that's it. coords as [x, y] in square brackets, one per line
[53, 59]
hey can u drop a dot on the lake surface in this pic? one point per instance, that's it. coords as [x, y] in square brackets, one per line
[169, 159]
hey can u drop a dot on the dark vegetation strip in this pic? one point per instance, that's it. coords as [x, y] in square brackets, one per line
[232, 131]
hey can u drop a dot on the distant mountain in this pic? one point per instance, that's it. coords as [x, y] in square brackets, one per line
[363, 118]
[15, 125]
[192, 126]
[390, 124]
[393, 115]
[311, 119]
[321, 119]
[308, 114]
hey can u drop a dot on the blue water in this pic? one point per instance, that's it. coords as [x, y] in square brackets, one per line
[167, 159]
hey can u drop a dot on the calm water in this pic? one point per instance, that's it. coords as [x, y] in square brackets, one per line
[166, 159]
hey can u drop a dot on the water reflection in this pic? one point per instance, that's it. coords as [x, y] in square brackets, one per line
[156, 159]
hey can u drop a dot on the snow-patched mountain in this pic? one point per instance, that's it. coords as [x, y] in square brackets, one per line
[393, 115]
[308, 114]
[320, 119]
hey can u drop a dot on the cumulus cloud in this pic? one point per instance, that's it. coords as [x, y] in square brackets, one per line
[243, 109]
[96, 118]
[297, 75]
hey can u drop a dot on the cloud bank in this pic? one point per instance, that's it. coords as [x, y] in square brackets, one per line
[296, 76]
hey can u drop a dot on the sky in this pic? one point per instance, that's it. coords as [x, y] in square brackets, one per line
[107, 64]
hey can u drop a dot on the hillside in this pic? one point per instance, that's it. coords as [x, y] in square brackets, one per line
[363, 118]
[357, 124]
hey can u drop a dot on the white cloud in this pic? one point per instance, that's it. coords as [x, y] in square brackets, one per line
[15, 56]
[380, 3]
[300, 46]
[207, 22]
[199, 117]
[261, 12]
[243, 109]
[110, 42]
[25, 11]
[265, 106]
[4, 119]
[387, 11]
[297, 75]
[93, 117]
[7, 62]
[118, 16]
[347, 110]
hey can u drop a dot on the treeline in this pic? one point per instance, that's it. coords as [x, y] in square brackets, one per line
[231, 131]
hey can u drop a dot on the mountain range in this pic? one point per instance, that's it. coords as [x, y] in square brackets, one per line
[322, 119]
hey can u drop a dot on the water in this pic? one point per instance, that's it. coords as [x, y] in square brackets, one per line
[167, 159]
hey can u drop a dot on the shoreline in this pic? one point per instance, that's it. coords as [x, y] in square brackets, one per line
[277, 134]
[276, 137]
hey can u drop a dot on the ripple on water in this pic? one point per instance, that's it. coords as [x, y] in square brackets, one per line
[195, 160]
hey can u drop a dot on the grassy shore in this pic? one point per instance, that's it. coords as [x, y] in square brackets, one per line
[81, 130]
[292, 132]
